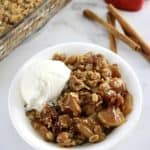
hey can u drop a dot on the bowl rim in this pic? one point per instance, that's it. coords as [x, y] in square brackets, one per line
[70, 44]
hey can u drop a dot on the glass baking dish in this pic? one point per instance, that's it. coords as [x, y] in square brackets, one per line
[30, 24]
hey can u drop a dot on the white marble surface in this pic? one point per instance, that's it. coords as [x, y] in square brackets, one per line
[69, 25]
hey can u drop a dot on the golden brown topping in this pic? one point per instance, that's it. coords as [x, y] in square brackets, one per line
[43, 131]
[70, 103]
[33, 115]
[13, 11]
[64, 121]
[110, 94]
[86, 58]
[71, 60]
[118, 84]
[106, 73]
[99, 62]
[85, 130]
[97, 129]
[65, 139]
[89, 67]
[76, 84]
[94, 138]
[60, 57]
[103, 88]
[47, 115]
[93, 75]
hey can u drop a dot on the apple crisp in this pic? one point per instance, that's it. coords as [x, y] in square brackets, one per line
[95, 102]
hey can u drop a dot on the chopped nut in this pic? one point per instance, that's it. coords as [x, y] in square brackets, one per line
[43, 131]
[33, 115]
[83, 129]
[103, 88]
[94, 97]
[64, 139]
[49, 136]
[118, 84]
[106, 73]
[93, 75]
[89, 67]
[80, 74]
[97, 129]
[47, 115]
[60, 57]
[94, 138]
[76, 84]
[64, 121]
[71, 60]
[99, 62]
[70, 102]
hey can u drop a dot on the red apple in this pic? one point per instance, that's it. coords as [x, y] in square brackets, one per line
[131, 5]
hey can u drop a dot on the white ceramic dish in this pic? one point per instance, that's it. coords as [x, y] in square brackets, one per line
[22, 124]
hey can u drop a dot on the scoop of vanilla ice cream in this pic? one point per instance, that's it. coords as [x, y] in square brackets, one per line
[43, 81]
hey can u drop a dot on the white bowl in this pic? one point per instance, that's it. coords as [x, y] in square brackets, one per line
[22, 124]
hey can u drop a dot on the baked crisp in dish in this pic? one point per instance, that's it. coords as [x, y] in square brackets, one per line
[13, 11]
[94, 102]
